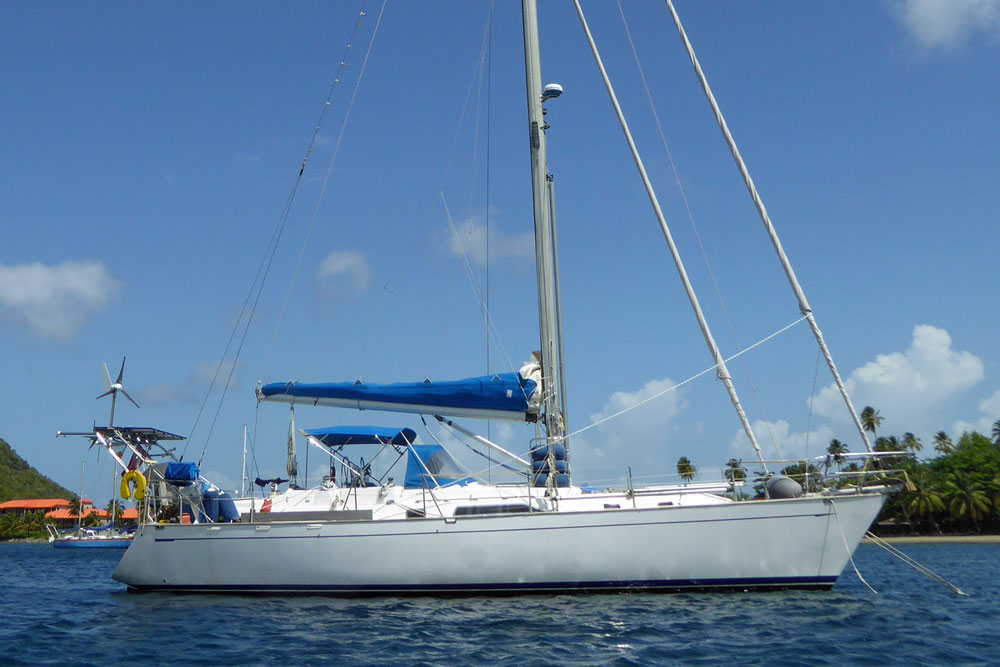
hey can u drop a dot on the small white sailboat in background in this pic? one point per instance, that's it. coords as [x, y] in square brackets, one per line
[442, 531]
[108, 536]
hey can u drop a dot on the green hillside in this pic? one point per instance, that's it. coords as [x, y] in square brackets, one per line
[20, 480]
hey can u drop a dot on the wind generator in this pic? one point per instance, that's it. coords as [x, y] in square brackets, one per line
[113, 388]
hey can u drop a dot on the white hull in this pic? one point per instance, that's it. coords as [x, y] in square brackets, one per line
[794, 543]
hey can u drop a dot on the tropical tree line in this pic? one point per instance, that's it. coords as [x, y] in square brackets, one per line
[953, 487]
[21, 526]
[947, 487]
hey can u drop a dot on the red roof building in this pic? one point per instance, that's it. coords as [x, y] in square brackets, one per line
[58, 509]
[34, 504]
[66, 513]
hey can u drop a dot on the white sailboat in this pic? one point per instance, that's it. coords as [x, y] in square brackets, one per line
[440, 531]
[107, 537]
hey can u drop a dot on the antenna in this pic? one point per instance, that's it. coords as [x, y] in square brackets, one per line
[113, 388]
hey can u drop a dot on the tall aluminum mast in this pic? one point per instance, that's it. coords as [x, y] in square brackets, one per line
[555, 428]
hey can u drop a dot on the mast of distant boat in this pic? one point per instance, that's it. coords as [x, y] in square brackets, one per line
[79, 509]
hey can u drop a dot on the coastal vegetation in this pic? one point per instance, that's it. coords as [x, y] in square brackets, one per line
[955, 489]
[18, 480]
[30, 525]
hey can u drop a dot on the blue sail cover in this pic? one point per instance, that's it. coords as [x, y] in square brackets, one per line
[503, 396]
[335, 436]
[432, 466]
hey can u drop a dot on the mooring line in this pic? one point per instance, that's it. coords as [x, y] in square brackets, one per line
[912, 562]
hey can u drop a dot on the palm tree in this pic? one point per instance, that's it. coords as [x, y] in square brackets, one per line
[911, 442]
[887, 444]
[735, 472]
[837, 449]
[92, 518]
[7, 524]
[852, 467]
[75, 506]
[942, 443]
[994, 486]
[805, 474]
[925, 501]
[686, 469]
[115, 510]
[871, 419]
[966, 498]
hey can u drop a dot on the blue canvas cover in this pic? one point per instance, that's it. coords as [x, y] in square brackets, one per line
[335, 436]
[433, 459]
[502, 396]
[181, 473]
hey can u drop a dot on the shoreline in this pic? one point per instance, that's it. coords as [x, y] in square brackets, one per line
[25, 540]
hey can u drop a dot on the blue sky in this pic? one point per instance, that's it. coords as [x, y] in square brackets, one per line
[148, 152]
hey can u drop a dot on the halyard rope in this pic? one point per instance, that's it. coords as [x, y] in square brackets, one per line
[326, 179]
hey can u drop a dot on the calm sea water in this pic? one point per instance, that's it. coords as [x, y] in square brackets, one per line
[61, 606]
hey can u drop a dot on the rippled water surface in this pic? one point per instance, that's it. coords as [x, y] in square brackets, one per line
[61, 606]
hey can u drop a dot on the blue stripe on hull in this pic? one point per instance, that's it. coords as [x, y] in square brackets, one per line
[655, 586]
[92, 544]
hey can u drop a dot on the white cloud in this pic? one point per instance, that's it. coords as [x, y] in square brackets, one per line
[224, 481]
[907, 388]
[946, 23]
[639, 436]
[990, 407]
[343, 274]
[502, 434]
[778, 442]
[55, 301]
[192, 388]
[471, 241]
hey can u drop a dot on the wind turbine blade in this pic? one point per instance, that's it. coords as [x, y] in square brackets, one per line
[107, 377]
[121, 372]
[109, 391]
[125, 393]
